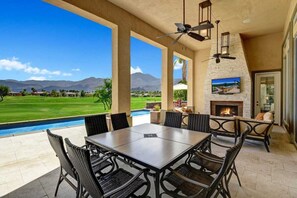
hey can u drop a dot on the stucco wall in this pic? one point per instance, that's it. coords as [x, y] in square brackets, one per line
[264, 52]
[199, 78]
[289, 16]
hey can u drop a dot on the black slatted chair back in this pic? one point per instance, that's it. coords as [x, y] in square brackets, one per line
[243, 137]
[229, 159]
[119, 121]
[173, 119]
[199, 122]
[57, 144]
[80, 159]
[96, 124]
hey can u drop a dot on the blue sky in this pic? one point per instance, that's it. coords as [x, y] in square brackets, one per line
[225, 80]
[43, 42]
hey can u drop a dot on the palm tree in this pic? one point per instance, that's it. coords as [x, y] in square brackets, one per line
[104, 94]
[184, 68]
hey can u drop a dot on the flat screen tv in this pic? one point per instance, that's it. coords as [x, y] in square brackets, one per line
[225, 85]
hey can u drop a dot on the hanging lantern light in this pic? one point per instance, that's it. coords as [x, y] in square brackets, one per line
[225, 43]
[204, 17]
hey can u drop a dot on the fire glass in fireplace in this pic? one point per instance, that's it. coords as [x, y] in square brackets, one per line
[226, 110]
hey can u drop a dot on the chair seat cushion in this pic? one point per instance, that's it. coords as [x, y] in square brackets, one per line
[117, 178]
[185, 187]
[204, 163]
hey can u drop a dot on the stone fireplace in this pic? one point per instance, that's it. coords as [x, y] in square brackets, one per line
[226, 108]
[226, 69]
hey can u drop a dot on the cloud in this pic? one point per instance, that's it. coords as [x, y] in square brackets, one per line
[178, 65]
[66, 74]
[136, 70]
[15, 64]
[37, 78]
[76, 69]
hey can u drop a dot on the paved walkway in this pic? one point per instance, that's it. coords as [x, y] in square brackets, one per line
[28, 166]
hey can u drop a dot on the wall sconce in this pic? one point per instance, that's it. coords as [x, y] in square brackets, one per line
[225, 43]
[204, 17]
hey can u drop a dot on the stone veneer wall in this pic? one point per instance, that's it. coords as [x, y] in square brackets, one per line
[227, 69]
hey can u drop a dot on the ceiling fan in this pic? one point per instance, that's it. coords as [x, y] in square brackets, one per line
[183, 28]
[218, 55]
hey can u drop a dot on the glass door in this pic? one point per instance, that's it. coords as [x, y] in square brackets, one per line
[267, 94]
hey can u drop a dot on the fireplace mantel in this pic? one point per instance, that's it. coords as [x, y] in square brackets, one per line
[238, 104]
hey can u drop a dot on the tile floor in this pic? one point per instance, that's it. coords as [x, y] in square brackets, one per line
[28, 166]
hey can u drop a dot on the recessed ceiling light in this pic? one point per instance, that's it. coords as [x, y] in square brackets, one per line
[246, 21]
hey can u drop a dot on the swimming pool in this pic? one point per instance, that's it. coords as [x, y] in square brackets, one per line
[32, 127]
[140, 112]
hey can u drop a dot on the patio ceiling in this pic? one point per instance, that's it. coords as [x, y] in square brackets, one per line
[248, 17]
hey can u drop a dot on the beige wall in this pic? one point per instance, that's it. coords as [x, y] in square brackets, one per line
[199, 78]
[264, 52]
[289, 16]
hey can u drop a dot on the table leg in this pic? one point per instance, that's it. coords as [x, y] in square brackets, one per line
[157, 185]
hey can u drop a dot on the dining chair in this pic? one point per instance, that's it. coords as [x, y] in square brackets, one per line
[96, 124]
[212, 163]
[199, 122]
[117, 184]
[119, 121]
[66, 167]
[173, 119]
[187, 181]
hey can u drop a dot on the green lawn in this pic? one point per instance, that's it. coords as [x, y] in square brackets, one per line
[22, 108]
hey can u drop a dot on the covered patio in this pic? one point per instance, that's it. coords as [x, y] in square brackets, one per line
[262, 38]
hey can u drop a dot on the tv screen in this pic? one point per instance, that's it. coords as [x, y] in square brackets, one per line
[225, 85]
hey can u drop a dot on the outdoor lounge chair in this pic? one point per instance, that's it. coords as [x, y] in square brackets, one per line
[66, 167]
[224, 126]
[117, 184]
[119, 121]
[260, 130]
[213, 163]
[186, 181]
[173, 119]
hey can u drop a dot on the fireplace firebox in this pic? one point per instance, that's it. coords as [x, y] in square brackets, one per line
[226, 108]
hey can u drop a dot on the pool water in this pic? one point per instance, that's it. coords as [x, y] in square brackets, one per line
[41, 126]
[35, 127]
[140, 112]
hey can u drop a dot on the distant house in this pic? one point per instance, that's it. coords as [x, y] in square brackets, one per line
[13, 93]
[38, 93]
[71, 94]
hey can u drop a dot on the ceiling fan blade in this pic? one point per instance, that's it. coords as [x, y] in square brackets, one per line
[207, 59]
[228, 57]
[202, 27]
[180, 26]
[196, 36]
[175, 41]
[167, 34]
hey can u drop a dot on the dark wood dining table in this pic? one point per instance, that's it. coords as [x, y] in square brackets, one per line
[152, 146]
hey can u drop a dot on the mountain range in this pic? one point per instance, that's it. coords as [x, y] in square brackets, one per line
[139, 81]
